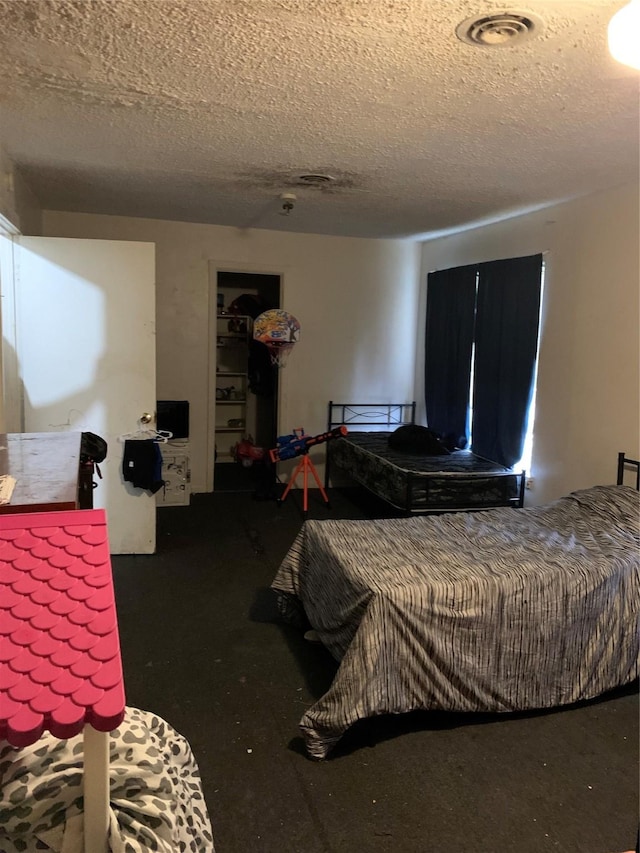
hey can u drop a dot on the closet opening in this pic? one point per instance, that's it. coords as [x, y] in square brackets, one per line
[243, 390]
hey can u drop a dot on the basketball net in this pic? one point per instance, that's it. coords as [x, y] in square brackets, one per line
[279, 352]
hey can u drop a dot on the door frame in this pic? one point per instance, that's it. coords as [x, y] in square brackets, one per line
[215, 267]
[10, 385]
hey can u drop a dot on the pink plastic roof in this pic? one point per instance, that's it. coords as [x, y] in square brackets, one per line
[60, 663]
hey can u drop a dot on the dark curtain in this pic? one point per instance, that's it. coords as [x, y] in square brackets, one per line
[448, 346]
[507, 317]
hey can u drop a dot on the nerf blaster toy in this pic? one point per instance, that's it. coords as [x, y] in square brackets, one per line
[299, 443]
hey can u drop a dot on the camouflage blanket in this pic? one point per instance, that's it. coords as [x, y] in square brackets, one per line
[156, 800]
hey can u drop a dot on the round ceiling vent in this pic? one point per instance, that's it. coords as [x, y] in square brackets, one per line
[505, 28]
[315, 180]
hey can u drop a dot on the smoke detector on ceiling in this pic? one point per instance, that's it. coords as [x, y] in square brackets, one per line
[500, 30]
[288, 203]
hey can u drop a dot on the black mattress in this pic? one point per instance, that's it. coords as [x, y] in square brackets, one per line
[456, 481]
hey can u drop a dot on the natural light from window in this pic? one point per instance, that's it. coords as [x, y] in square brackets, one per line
[524, 463]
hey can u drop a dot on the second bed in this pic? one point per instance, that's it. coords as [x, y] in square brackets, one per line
[411, 482]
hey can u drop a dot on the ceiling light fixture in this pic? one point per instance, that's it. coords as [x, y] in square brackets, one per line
[624, 44]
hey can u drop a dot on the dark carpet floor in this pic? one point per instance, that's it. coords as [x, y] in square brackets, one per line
[199, 649]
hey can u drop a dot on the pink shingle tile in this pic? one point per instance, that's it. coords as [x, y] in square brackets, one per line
[27, 608]
[82, 615]
[25, 726]
[8, 677]
[25, 635]
[9, 651]
[25, 585]
[94, 536]
[66, 683]
[61, 581]
[11, 534]
[26, 541]
[78, 548]
[45, 595]
[65, 630]
[26, 562]
[9, 623]
[45, 620]
[87, 667]
[25, 690]
[65, 656]
[42, 551]
[108, 675]
[44, 572]
[46, 701]
[83, 642]
[45, 645]
[62, 560]
[101, 577]
[46, 672]
[9, 552]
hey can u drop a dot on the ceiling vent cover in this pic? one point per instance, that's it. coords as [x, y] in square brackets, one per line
[506, 28]
[315, 180]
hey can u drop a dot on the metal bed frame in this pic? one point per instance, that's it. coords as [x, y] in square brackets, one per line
[391, 416]
[625, 463]
[366, 415]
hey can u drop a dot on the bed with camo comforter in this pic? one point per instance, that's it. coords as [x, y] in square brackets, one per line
[156, 800]
[501, 610]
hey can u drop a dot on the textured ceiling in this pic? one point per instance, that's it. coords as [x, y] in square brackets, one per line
[209, 110]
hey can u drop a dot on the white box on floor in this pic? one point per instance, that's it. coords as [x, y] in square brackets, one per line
[176, 475]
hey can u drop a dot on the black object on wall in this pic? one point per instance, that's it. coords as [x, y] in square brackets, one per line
[173, 416]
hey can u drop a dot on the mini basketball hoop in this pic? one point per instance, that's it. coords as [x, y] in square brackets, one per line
[278, 331]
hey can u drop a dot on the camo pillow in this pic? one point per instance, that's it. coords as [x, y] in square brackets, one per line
[156, 800]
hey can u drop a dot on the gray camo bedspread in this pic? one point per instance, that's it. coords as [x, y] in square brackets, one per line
[156, 799]
[500, 610]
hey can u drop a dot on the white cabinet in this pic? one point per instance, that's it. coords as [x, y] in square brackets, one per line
[176, 475]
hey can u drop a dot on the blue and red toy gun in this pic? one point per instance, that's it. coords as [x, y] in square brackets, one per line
[298, 443]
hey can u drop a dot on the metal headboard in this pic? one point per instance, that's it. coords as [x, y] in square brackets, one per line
[371, 414]
[625, 463]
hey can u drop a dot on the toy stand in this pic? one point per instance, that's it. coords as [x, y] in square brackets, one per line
[305, 466]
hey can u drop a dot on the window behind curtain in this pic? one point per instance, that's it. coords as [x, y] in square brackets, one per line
[451, 296]
[499, 323]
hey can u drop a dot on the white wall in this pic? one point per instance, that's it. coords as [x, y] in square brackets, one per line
[588, 399]
[356, 299]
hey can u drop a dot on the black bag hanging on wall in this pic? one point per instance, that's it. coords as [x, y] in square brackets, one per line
[93, 448]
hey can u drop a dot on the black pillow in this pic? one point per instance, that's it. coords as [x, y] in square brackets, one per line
[418, 440]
